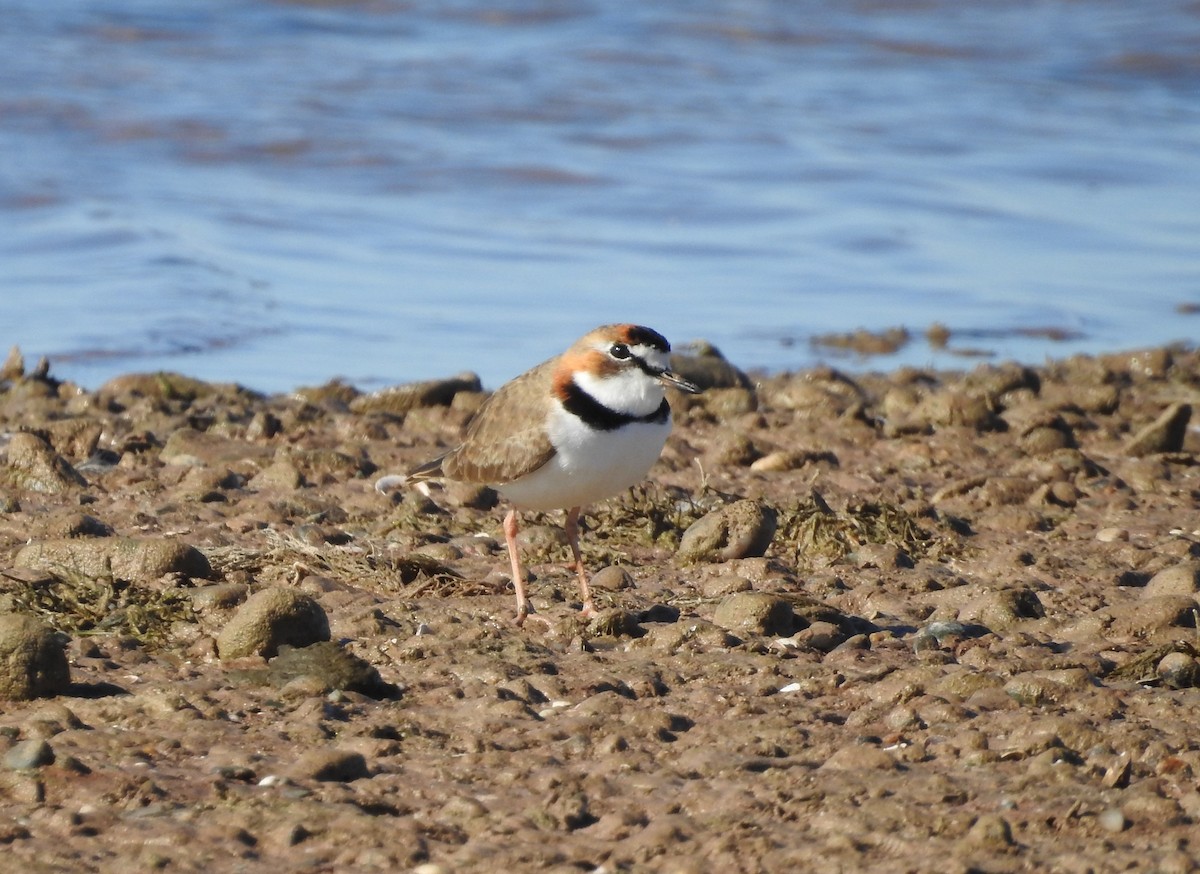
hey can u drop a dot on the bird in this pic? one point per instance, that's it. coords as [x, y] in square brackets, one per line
[579, 428]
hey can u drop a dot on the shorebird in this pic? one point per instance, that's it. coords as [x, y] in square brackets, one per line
[576, 429]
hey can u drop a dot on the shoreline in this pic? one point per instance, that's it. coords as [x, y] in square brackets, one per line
[972, 633]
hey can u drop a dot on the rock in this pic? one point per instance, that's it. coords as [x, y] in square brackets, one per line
[270, 619]
[33, 659]
[1179, 579]
[125, 558]
[991, 831]
[14, 365]
[330, 766]
[755, 611]
[332, 666]
[1178, 670]
[702, 363]
[162, 385]
[34, 466]
[860, 757]
[399, 399]
[279, 474]
[1112, 820]
[1164, 434]
[999, 610]
[725, 584]
[821, 636]
[738, 530]
[29, 754]
[611, 579]
[615, 623]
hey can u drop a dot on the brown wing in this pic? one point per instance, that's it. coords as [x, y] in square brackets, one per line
[499, 446]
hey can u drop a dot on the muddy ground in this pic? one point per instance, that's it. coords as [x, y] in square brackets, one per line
[968, 646]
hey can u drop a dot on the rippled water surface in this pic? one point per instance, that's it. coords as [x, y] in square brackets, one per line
[277, 193]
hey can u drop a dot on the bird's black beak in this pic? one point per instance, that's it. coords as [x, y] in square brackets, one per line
[674, 380]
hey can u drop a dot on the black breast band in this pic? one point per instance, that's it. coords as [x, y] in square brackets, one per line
[598, 416]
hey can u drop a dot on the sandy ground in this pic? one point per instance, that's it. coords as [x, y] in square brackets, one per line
[968, 646]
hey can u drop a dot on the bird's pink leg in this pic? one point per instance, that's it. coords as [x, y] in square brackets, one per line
[510, 537]
[572, 530]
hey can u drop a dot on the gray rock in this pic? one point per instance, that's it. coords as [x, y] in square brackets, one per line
[1178, 670]
[125, 558]
[742, 529]
[29, 754]
[33, 659]
[35, 466]
[759, 612]
[270, 619]
[1164, 434]
[1179, 579]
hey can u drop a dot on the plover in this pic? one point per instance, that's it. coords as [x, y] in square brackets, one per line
[576, 429]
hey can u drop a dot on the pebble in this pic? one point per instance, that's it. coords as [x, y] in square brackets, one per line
[330, 766]
[742, 529]
[1112, 820]
[33, 659]
[1179, 671]
[1179, 579]
[990, 831]
[29, 754]
[1112, 535]
[613, 578]
[270, 619]
[35, 466]
[1164, 434]
[758, 612]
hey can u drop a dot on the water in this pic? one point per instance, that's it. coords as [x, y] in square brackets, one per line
[278, 193]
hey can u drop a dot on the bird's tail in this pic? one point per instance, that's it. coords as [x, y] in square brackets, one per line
[419, 474]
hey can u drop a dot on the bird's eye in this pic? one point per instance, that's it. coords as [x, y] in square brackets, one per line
[619, 351]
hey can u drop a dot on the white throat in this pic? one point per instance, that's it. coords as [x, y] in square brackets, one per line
[630, 392]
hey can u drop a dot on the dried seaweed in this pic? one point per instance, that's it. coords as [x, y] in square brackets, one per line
[812, 531]
[83, 605]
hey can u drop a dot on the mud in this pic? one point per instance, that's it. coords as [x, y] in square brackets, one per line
[970, 644]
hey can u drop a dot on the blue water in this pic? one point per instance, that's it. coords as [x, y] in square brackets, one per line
[278, 193]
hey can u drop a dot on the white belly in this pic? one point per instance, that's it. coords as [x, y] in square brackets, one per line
[588, 465]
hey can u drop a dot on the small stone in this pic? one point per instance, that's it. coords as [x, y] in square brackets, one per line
[1112, 820]
[33, 465]
[270, 619]
[1000, 610]
[755, 611]
[328, 666]
[821, 636]
[1179, 579]
[33, 659]
[29, 754]
[330, 766]
[742, 529]
[990, 831]
[615, 623]
[1178, 670]
[613, 578]
[1164, 434]
[725, 584]
[1112, 535]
